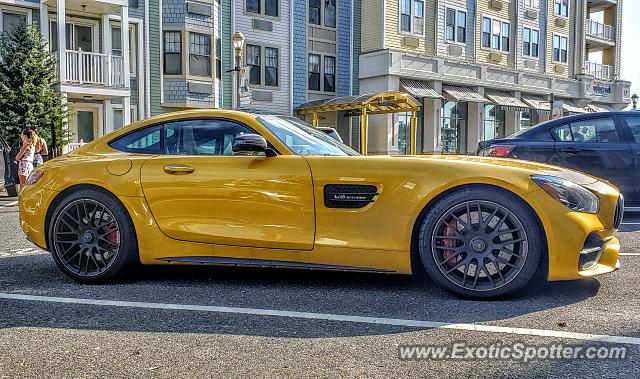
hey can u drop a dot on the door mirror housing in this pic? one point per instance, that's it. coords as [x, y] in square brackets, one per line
[250, 144]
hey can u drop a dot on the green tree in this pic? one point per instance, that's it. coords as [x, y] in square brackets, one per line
[27, 97]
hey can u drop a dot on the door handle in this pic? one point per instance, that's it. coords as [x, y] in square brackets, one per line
[571, 150]
[178, 170]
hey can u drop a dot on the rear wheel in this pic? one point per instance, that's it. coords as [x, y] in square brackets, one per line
[92, 237]
[481, 243]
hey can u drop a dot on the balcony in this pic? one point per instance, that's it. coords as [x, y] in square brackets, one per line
[94, 69]
[601, 31]
[600, 71]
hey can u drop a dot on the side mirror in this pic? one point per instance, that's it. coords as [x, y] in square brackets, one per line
[249, 144]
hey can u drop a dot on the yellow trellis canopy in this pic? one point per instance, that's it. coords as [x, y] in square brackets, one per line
[364, 105]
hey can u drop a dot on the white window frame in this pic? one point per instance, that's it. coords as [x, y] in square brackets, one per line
[15, 10]
[561, 2]
[492, 34]
[211, 55]
[133, 110]
[553, 47]
[133, 45]
[321, 17]
[456, 25]
[412, 17]
[530, 54]
[322, 73]
[262, 9]
[533, 4]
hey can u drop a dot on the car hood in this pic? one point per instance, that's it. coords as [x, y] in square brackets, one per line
[535, 168]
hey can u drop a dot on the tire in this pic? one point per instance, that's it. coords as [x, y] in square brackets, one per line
[12, 191]
[485, 257]
[92, 238]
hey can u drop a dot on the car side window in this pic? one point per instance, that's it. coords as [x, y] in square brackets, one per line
[597, 130]
[143, 141]
[562, 133]
[202, 136]
[634, 126]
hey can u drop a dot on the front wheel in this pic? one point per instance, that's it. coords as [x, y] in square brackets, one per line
[92, 238]
[481, 243]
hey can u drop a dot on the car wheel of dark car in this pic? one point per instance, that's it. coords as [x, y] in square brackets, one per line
[91, 237]
[481, 242]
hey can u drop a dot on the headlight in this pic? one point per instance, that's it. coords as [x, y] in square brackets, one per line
[570, 194]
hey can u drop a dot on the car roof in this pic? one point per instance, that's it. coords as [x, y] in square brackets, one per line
[550, 124]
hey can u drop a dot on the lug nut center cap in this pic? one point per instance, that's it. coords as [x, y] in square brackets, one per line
[478, 245]
[88, 237]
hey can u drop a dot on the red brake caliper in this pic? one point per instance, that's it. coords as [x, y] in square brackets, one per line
[449, 232]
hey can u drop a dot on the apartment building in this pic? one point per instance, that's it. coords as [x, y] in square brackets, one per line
[484, 69]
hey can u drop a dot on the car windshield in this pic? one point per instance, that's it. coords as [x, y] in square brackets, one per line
[302, 138]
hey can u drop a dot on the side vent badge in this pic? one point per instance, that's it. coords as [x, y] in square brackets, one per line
[348, 195]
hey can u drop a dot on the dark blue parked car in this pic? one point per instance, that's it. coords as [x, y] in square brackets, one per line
[606, 145]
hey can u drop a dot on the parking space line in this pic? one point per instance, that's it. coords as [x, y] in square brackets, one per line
[330, 317]
[632, 254]
[9, 204]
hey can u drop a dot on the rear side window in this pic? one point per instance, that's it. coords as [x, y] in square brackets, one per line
[143, 141]
[634, 126]
[599, 130]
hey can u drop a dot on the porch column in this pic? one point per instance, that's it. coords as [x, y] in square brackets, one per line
[62, 40]
[431, 126]
[44, 21]
[126, 110]
[108, 116]
[124, 35]
[106, 34]
[475, 128]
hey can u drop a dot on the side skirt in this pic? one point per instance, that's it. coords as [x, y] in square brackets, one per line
[225, 261]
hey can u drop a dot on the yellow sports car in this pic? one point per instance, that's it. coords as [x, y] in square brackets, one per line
[231, 188]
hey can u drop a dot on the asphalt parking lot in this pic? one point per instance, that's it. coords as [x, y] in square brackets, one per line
[211, 322]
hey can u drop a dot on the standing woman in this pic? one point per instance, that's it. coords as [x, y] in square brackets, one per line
[40, 147]
[25, 155]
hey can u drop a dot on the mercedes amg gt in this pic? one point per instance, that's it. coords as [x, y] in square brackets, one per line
[231, 188]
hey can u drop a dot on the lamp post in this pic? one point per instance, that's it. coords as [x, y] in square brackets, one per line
[238, 44]
[634, 100]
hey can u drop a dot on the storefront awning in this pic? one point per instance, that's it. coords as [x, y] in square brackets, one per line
[538, 103]
[371, 103]
[419, 89]
[568, 106]
[599, 108]
[505, 100]
[458, 93]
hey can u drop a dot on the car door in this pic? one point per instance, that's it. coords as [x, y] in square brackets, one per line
[632, 124]
[200, 191]
[597, 146]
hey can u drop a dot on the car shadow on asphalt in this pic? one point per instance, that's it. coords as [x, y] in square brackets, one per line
[355, 294]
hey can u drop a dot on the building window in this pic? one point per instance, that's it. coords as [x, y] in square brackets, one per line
[11, 20]
[456, 25]
[530, 44]
[560, 44]
[453, 127]
[116, 46]
[218, 58]
[270, 7]
[494, 122]
[314, 72]
[561, 8]
[253, 6]
[535, 4]
[496, 34]
[199, 54]
[486, 32]
[253, 62]
[173, 53]
[314, 12]
[329, 74]
[271, 67]
[330, 13]
[412, 17]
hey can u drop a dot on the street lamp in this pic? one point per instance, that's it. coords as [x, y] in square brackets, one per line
[238, 44]
[634, 100]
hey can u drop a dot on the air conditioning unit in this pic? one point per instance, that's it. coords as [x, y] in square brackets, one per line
[455, 50]
[531, 14]
[497, 4]
[559, 69]
[411, 41]
[495, 57]
[561, 22]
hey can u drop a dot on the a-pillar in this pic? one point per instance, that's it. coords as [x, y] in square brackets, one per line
[62, 40]
[126, 71]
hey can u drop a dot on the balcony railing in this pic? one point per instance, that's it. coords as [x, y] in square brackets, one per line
[94, 69]
[600, 30]
[601, 71]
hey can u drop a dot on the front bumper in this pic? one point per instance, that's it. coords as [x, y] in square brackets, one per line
[573, 236]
